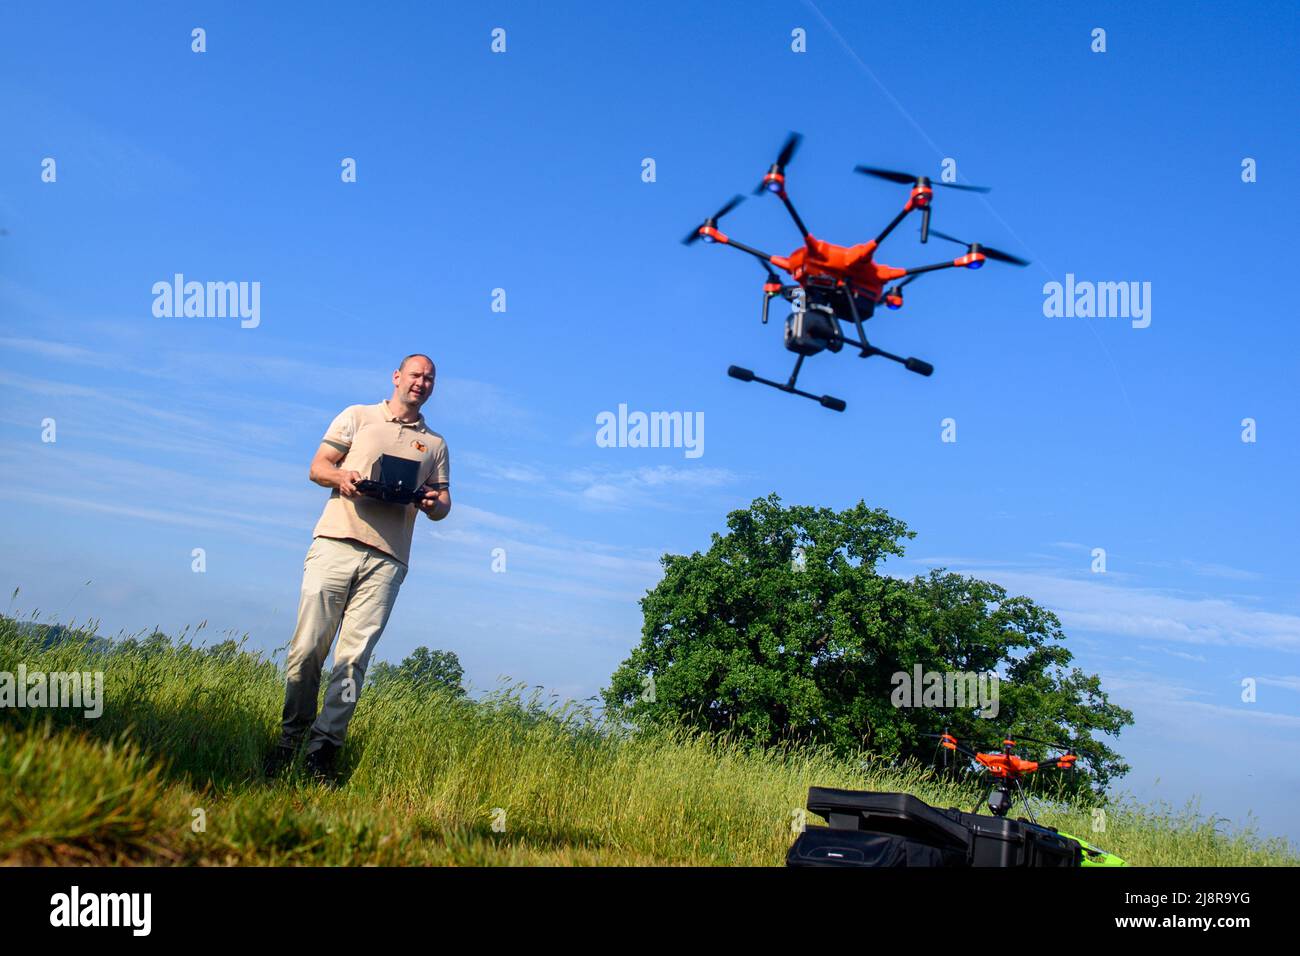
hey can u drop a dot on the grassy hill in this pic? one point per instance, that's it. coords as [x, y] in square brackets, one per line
[170, 774]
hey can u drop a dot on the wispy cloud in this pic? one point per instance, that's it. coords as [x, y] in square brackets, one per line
[196, 516]
[484, 466]
[1212, 570]
[637, 487]
[542, 557]
[603, 488]
[1286, 683]
[1093, 604]
[1205, 569]
[1173, 699]
[1071, 546]
[1181, 655]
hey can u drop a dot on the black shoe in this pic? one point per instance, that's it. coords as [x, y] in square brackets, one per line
[320, 764]
[277, 759]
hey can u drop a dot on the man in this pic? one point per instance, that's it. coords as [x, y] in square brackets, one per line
[357, 560]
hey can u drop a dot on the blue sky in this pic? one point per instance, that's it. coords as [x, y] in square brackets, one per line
[522, 171]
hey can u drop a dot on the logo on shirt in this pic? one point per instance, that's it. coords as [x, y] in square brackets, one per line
[420, 446]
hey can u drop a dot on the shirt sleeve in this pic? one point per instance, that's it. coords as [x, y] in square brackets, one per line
[440, 477]
[342, 429]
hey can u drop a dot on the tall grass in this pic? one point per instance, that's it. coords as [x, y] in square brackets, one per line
[171, 774]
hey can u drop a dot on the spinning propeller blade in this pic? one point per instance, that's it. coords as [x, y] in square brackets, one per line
[903, 178]
[787, 151]
[1036, 740]
[907, 179]
[988, 251]
[713, 220]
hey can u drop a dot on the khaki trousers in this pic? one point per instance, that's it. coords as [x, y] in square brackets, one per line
[348, 589]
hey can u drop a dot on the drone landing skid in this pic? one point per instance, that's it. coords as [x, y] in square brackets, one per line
[826, 401]
[830, 401]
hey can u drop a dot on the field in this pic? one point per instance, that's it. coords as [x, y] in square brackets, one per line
[169, 774]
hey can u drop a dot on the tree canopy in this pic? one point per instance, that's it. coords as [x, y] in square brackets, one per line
[786, 630]
[422, 669]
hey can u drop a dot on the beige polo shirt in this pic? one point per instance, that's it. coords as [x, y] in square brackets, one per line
[365, 432]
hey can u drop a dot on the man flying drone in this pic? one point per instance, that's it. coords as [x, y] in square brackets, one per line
[358, 557]
[834, 283]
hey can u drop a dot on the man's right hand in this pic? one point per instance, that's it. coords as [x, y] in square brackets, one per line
[346, 482]
[325, 470]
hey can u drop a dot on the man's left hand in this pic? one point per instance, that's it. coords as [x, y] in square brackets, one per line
[435, 504]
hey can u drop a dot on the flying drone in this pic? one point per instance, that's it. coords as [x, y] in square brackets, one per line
[834, 284]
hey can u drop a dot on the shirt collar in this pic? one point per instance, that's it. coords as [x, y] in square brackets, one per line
[390, 417]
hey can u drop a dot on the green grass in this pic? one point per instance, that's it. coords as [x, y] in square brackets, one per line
[426, 775]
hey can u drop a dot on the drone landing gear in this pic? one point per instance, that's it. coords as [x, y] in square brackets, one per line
[868, 350]
[909, 363]
[813, 328]
[826, 401]
[830, 401]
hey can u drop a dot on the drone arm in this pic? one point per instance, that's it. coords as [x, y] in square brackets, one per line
[951, 743]
[970, 260]
[967, 752]
[920, 199]
[896, 290]
[894, 223]
[803, 230]
[712, 232]
[1062, 762]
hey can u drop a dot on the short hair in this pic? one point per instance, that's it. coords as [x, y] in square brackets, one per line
[402, 366]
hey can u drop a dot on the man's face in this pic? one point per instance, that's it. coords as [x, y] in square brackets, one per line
[414, 382]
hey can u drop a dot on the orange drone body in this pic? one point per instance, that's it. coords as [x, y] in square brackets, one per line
[824, 263]
[1007, 764]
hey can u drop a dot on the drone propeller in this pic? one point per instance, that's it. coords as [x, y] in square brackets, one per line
[1036, 740]
[982, 745]
[787, 151]
[713, 220]
[988, 251]
[961, 741]
[991, 746]
[1088, 752]
[913, 179]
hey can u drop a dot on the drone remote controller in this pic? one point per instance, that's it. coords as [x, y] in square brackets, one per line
[395, 481]
[392, 494]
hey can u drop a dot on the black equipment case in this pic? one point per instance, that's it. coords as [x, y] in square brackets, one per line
[1002, 842]
[829, 846]
[869, 828]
